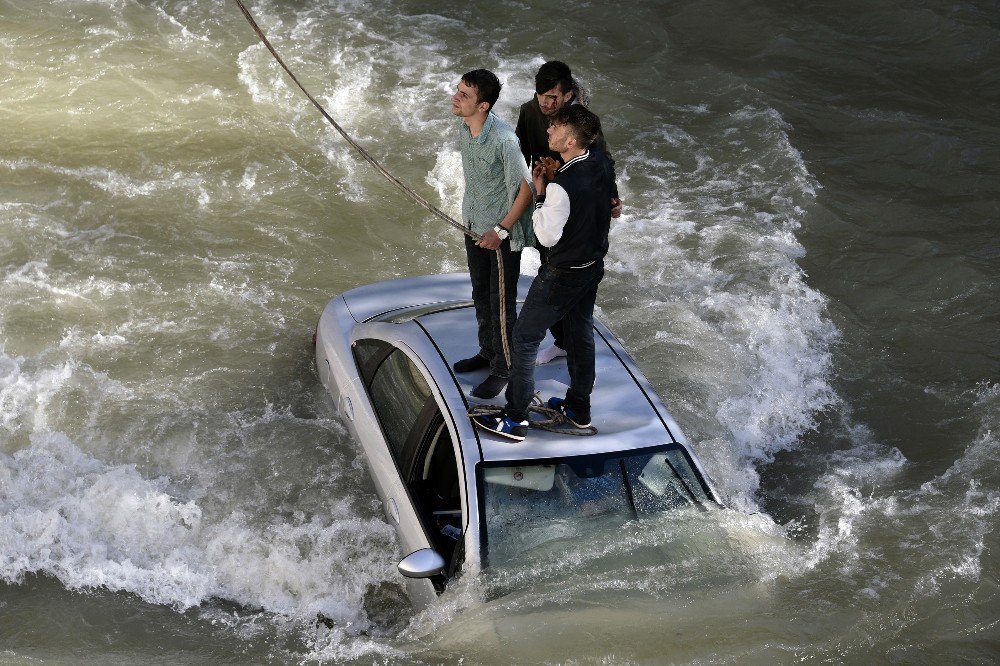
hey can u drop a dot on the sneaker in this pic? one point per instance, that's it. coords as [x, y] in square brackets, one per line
[547, 354]
[490, 388]
[577, 417]
[471, 364]
[503, 426]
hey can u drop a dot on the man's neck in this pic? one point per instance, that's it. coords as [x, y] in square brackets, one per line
[572, 154]
[476, 123]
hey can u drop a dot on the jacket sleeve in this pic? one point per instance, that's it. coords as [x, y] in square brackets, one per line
[522, 136]
[551, 215]
[600, 145]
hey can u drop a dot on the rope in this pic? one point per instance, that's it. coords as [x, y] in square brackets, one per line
[400, 185]
[552, 421]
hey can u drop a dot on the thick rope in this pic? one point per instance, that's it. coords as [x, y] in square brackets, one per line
[400, 185]
[554, 421]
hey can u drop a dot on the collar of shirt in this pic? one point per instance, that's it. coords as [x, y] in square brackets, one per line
[483, 133]
[578, 158]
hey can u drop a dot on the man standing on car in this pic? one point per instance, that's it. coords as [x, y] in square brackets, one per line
[497, 206]
[572, 218]
[555, 89]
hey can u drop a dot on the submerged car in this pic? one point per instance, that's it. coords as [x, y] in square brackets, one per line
[459, 498]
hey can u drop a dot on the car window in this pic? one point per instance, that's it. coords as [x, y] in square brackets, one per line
[399, 394]
[534, 509]
[368, 354]
[435, 488]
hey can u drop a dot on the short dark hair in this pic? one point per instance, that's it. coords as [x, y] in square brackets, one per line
[583, 123]
[551, 74]
[486, 83]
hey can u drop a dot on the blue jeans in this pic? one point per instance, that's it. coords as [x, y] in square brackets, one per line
[557, 294]
[486, 297]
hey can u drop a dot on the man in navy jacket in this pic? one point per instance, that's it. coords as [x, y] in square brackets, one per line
[555, 89]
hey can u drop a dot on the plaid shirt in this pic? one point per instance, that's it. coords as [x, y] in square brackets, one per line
[494, 169]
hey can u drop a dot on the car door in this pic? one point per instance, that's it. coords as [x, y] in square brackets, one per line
[417, 471]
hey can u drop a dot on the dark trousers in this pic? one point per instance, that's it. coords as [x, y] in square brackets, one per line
[556, 329]
[486, 296]
[557, 294]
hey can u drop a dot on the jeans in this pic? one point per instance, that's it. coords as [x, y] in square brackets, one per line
[557, 328]
[486, 297]
[557, 294]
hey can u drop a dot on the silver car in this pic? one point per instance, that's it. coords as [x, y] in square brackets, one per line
[461, 499]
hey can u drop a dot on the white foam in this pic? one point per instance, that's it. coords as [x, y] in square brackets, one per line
[26, 395]
[90, 524]
[446, 179]
[955, 511]
[66, 513]
[37, 275]
[185, 36]
[715, 250]
[118, 184]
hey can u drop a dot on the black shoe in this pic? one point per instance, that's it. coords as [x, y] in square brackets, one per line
[577, 417]
[490, 388]
[477, 362]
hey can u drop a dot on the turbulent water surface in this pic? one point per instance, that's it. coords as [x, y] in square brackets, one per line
[806, 270]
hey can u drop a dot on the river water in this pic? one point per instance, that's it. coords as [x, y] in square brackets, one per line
[806, 270]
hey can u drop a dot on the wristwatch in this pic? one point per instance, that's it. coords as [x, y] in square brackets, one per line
[501, 232]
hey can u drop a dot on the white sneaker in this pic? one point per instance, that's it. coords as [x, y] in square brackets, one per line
[549, 353]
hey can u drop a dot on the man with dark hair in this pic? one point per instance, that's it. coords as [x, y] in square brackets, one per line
[555, 89]
[496, 206]
[572, 218]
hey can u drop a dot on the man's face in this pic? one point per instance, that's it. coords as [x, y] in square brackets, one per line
[552, 100]
[463, 102]
[559, 137]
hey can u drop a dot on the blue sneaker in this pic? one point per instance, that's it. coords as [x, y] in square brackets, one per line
[503, 426]
[576, 417]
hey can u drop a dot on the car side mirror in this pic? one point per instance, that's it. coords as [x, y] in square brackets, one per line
[422, 563]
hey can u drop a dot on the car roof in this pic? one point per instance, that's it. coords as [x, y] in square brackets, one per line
[621, 410]
[383, 298]
[624, 409]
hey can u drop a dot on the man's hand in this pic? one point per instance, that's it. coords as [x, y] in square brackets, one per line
[538, 178]
[551, 166]
[489, 241]
[616, 207]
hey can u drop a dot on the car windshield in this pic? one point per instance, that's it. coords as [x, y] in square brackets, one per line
[527, 506]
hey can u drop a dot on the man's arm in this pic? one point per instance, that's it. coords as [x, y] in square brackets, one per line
[515, 175]
[551, 209]
[522, 136]
[601, 145]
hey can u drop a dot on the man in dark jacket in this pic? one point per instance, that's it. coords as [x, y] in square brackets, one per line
[572, 218]
[555, 89]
